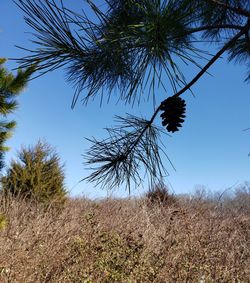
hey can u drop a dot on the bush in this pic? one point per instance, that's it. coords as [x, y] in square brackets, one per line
[3, 221]
[160, 195]
[36, 175]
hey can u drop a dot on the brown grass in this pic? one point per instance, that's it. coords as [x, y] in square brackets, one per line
[192, 240]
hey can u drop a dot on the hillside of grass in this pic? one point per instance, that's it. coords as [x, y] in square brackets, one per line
[157, 238]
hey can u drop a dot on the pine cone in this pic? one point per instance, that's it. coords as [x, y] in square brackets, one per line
[173, 115]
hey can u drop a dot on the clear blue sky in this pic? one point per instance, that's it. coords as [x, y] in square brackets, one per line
[211, 149]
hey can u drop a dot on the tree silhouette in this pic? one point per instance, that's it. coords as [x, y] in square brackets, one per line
[132, 46]
[10, 86]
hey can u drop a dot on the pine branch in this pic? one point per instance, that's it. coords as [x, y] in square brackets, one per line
[236, 10]
[10, 86]
[196, 78]
[118, 163]
[131, 46]
[123, 56]
[212, 27]
[119, 155]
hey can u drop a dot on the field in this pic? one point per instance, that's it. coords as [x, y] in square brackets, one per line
[151, 239]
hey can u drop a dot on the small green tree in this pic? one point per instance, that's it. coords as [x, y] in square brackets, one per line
[37, 175]
[10, 87]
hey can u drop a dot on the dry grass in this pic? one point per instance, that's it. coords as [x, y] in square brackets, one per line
[192, 240]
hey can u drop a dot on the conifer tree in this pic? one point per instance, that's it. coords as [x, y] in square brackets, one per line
[37, 175]
[10, 86]
[130, 46]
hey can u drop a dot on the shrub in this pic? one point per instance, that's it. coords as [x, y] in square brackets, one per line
[3, 221]
[36, 175]
[160, 195]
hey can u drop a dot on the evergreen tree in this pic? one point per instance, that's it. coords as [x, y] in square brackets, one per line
[130, 45]
[10, 87]
[37, 175]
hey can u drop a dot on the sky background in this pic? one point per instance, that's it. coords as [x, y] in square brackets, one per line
[211, 149]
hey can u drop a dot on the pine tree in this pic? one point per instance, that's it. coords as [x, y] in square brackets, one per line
[10, 86]
[36, 175]
[131, 46]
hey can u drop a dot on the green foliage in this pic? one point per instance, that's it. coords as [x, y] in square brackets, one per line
[36, 175]
[112, 256]
[10, 87]
[3, 221]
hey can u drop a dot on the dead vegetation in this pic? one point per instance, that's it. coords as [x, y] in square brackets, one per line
[198, 239]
